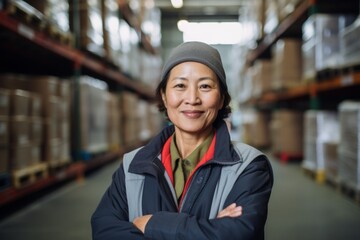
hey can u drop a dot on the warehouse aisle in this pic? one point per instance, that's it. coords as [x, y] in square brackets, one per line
[299, 209]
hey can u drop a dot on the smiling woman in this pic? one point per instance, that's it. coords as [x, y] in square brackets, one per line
[190, 181]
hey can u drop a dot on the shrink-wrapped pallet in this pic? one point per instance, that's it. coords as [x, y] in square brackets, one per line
[93, 115]
[349, 147]
[320, 128]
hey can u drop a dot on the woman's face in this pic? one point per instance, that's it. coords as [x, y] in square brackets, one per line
[192, 98]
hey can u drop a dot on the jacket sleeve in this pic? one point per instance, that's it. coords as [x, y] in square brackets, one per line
[251, 191]
[110, 219]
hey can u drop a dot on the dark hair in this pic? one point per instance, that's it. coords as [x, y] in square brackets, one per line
[223, 113]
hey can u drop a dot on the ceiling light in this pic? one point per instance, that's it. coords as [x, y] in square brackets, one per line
[177, 3]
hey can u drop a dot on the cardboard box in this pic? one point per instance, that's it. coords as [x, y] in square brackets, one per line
[4, 102]
[287, 132]
[20, 156]
[35, 156]
[19, 130]
[286, 64]
[4, 158]
[52, 151]
[36, 130]
[4, 131]
[20, 103]
[35, 105]
[13, 81]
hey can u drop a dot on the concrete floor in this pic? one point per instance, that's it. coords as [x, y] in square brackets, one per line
[299, 209]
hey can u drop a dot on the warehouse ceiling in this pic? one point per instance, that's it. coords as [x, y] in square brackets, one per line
[203, 10]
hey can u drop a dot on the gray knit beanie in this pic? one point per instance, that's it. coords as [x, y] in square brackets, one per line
[195, 52]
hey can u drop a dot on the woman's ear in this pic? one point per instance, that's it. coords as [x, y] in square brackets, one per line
[163, 97]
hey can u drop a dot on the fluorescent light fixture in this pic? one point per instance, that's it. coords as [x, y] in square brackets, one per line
[177, 3]
[215, 32]
[182, 24]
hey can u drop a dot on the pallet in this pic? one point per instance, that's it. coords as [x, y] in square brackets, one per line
[58, 166]
[328, 73]
[29, 175]
[349, 191]
[26, 14]
[317, 175]
[5, 181]
[58, 35]
[285, 157]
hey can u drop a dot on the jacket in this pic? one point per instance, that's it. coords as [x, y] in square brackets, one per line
[191, 220]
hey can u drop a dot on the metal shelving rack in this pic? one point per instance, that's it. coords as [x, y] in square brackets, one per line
[23, 46]
[340, 82]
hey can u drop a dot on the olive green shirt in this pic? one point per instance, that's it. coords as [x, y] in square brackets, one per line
[182, 168]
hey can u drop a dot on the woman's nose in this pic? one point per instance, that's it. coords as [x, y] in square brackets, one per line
[192, 96]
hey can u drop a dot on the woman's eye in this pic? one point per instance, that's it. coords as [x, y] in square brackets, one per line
[180, 85]
[205, 86]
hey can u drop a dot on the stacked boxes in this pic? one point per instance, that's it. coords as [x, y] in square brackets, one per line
[321, 42]
[350, 44]
[129, 103]
[21, 147]
[349, 147]
[262, 76]
[4, 130]
[286, 129]
[40, 119]
[320, 131]
[90, 23]
[255, 131]
[93, 115]
[286, 64]
[114, 125]
[112, 38]
[141, 119]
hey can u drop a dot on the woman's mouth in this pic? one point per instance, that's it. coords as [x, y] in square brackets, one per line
[192, 114]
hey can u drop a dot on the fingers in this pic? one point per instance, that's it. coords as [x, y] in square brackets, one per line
[230, 211]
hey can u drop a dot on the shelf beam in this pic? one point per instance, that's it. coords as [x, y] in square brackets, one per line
[73, 55]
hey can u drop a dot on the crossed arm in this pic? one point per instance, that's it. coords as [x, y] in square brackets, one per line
[231, 211]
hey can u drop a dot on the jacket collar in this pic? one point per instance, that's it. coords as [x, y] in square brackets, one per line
[144, 160]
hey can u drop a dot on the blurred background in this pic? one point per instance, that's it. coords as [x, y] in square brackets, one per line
[77, 81]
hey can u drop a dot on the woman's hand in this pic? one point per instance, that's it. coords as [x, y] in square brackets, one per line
[230, 211]
[140, 222]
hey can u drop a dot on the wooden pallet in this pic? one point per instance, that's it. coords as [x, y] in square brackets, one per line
[26, 14]
[58, 166]
[29, 175]
[58, 35]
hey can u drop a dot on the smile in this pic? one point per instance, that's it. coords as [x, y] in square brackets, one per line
[192, 114]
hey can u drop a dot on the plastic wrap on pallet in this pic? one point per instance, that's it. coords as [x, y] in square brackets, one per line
[321, 42]
[112, 38]
[91, 33]
[349, 147]
[350, 44]
[320, 127]
[93, 115]
[58, 12]
[331, 161]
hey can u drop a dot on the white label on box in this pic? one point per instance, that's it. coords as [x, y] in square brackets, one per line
[347, 80]
[26, 31]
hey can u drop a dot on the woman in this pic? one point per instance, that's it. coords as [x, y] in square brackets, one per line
[190, 181]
